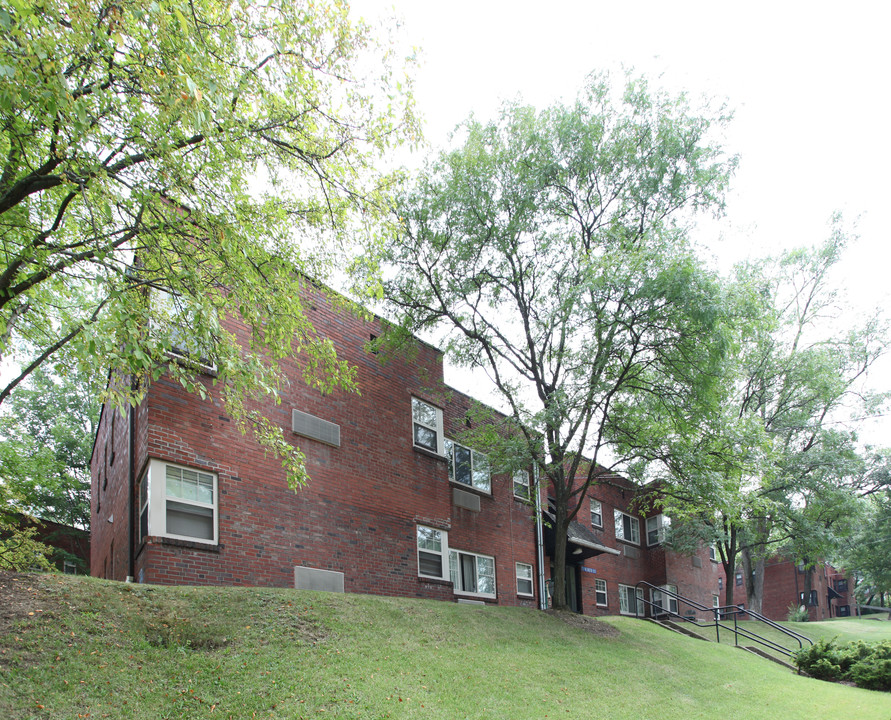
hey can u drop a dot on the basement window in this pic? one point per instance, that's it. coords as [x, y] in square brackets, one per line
[524, 579]
[472, 574]
[629, 598]
[432, 548]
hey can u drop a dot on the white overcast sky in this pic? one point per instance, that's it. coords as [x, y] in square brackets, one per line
[809, 83]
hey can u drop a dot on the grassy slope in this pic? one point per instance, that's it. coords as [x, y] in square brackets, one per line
[128, 651]
[843, 629]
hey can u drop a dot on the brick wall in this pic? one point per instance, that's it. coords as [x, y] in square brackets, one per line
[359, 512]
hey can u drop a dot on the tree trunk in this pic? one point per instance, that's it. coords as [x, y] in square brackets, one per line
[729, 550]
[753, 574]
[561, 526]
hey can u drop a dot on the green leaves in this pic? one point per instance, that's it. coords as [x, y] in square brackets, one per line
[212, 150]
[549, 247]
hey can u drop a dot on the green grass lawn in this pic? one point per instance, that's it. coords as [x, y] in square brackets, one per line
[844, 629]
[100, 649]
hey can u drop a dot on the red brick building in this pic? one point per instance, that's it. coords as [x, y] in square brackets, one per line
[822, 589]
[395, 506]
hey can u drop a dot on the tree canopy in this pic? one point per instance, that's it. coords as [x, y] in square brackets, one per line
[551, 248]
[774, 463]
[207, 153]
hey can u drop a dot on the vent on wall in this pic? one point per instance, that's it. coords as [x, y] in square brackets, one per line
[631, 551]
[312, 427]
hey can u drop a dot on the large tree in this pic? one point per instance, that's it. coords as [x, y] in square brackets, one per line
[775, 463]
[550, 247]
[866, 552]
[46, 440]
[212, 151]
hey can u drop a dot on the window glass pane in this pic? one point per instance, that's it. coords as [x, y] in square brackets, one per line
[423, 413]
[596, 514]
[521, 484]
[174, 482]
[481, 479]
[205, 489]
[462, 465]
[485, 571]
[429, 539]
[454, 575]
[425, 438]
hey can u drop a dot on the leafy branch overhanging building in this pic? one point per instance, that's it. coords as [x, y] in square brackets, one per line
[395, 505]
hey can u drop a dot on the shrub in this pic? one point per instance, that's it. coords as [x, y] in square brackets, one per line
[797, 613]
[868, 666]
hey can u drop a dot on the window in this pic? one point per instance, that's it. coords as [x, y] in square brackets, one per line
[600, 592]
[738, 579]
[467, 466]
[814, 599]
[716, 601]
[472, 574]
[664, 602]
[627, 597]
[432, 547]
[627, 527]
[178, 502]
[720, 583]
[521, 484]
[713, 553]
[656, 526]
[174, 315]
[596, 514]
[426, 426]
[841, 585]
[524, 579]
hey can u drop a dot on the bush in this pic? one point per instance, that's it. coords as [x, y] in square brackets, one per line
[797, 613]
[867, 666]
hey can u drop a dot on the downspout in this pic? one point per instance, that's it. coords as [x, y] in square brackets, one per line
[131, 480]
[539, 543]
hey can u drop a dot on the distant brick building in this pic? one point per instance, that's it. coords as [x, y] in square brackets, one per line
[822, 589]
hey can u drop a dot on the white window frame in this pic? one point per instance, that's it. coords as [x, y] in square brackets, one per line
[480, 472]
[521, 479]
[525, 574]
[443, 552]
[600, 589]
[598, 512]
[634, 527]
[458, 556]
[624, 591]
[656, 526]
[713, 553]
[154, 500]
[436, 427]
[716, 601]
[656, 599]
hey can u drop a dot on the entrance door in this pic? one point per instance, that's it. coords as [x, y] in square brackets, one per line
[572, 588]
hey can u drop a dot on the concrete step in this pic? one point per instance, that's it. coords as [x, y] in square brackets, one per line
[676, 627]
[767, 656]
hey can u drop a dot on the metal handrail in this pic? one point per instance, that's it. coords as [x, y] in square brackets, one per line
[720, 613]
